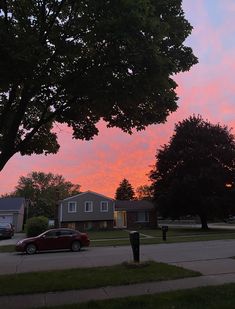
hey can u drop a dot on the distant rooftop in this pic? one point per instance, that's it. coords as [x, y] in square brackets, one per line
[11, 203]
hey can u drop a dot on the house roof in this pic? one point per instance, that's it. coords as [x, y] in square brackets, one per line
[134, 205]
[88, 192]
[11, 203]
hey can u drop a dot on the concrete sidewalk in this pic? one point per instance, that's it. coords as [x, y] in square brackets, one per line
[79, 296]
[211, 258]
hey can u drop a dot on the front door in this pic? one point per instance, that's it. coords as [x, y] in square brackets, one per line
[120, 219]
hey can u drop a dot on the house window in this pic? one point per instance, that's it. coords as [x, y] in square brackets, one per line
[88, 206]
[72, 207]
[104, 206]
[143, 216]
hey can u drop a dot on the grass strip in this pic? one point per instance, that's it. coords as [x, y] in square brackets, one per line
[85, 278]
[204, 298]
[7, 248]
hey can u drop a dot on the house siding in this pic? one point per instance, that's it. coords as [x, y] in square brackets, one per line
[89, 225]
[80, 215]
[14, 207]
[132, 220]
[20, 220]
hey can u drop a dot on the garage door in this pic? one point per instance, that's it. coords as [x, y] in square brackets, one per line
[6, 218]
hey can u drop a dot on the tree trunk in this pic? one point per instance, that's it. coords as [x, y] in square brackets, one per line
[203, 219]
[5, 157]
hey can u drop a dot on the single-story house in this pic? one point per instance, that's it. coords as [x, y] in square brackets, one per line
[135, 214]
[91, 210]
[12, 211]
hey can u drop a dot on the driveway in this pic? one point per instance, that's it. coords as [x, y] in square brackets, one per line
[13, 240]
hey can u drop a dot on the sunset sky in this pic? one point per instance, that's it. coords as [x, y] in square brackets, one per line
[208, 89]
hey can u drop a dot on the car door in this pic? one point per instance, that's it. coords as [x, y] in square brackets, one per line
[49, 241]
[65, 239]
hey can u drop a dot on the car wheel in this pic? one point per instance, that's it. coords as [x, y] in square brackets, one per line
[31, 249]
[76, 246]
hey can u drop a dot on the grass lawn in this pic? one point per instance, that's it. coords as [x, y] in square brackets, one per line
[219, 297]
[108, 234]
[85, 278]
[173, 235]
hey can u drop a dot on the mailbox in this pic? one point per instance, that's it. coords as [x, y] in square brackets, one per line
[164, 230]
[135, 244]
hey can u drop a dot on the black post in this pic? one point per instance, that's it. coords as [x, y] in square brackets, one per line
[135, 244]
[164, 230]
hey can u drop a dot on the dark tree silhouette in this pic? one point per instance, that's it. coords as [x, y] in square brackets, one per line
[77, 62]
[124, 191]
[194, 173]
[144, 192]
[44, 191]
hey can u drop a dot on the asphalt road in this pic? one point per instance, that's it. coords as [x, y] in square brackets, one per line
[209, 257]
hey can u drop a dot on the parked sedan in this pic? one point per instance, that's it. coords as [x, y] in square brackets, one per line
[54, 239]
[6, 230]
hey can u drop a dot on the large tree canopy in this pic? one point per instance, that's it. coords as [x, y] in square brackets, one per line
[124, 191]
[76, 62]
[44, 191]
[195, 172]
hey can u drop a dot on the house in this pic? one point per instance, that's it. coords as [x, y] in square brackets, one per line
[91, 210]
[88, 210]
[12, 211]
[135, 214]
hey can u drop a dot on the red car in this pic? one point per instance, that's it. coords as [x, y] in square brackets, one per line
[54, 239]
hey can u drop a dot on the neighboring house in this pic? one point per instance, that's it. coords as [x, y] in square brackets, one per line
[135, 214]
[90, 210]
[12, 211]
[86, 211]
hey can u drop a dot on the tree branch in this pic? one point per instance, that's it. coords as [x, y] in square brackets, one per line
[42, 122]
[50, 25]
[7, 107]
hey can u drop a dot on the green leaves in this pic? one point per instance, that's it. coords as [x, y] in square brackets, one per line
[124, 191]
[44, 191]
[192, 171]
[76, 62]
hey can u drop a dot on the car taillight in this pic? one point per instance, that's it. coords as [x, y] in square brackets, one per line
[84, 236]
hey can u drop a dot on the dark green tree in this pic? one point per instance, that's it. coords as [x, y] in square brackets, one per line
[144, 192]
[124, 191]
[194, 173]
[76, 62]
[44, 191]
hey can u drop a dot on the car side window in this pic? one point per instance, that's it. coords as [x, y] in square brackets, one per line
[66, 233]
[51, 234]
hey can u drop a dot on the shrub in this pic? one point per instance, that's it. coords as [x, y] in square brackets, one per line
[36, 226]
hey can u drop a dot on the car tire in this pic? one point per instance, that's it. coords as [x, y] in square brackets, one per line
[31, 249]
[76, 246]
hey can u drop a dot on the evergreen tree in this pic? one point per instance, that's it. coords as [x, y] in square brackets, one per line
[124, 191]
